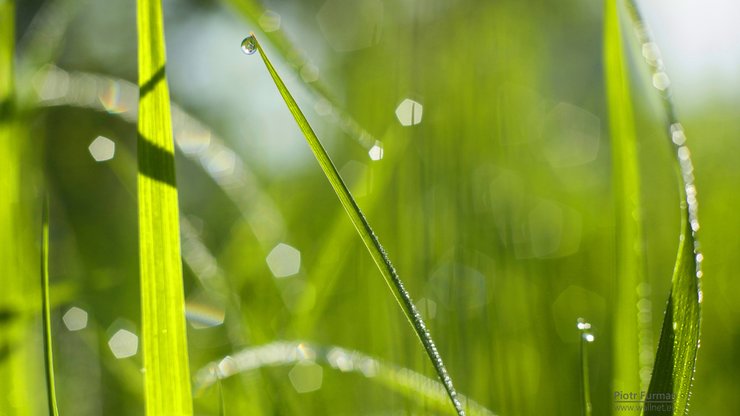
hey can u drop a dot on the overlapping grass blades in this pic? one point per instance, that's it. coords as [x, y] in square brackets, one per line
[166, 376]
[675, 360]
[366, 233]
[46, 313]
[629, 337]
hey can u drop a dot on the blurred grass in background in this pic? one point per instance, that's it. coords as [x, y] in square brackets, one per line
[491, 191]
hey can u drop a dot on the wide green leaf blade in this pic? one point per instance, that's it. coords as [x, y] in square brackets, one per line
[167, 375]
[363, 228]
[675, 360]
[630, 336]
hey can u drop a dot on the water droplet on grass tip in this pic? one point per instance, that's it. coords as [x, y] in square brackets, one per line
[582, 324]
[249, 45]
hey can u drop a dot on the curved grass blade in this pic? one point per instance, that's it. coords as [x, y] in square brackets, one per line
[365, 231]
[632, 339]
[166, 376]
[284, 353]
[675, 361]
[46, 315]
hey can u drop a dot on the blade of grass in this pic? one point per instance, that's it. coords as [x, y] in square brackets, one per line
[15, 293]
[366, 233]
[46, 313]
[675, 360]
[193, 250]
[167, 375]
[629, 333]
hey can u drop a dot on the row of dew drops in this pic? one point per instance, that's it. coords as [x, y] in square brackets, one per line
[653, 57]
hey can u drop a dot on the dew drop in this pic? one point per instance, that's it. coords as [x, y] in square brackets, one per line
[651, 52]
[582, 324]
[249, 45]
[695, 224]
[683, 153]
[661, 81]
[677, 134]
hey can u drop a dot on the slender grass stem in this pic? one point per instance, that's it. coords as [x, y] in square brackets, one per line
[46, 315]
[366, 233]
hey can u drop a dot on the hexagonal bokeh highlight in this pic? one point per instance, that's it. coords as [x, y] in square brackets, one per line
[123, 344]
[102, 149]
[427, 308]
[284, 260]
[306, 376]
[571, 136]
[75, 319]
[351, 25]
[554, 230]
[376, 152]
[409, 112]
[269, 21]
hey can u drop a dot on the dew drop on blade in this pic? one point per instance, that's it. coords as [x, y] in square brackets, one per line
[249, 45]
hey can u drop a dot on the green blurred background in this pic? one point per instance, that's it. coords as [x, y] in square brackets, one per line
[490, 190]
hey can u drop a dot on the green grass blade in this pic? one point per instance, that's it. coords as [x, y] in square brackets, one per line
[46, 315]
[17, 291]
[366, 233]
[166, 376]
[629, 334]
[675, 361]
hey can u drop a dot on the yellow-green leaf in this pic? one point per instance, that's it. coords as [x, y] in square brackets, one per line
[166, 376]
[17, 287]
